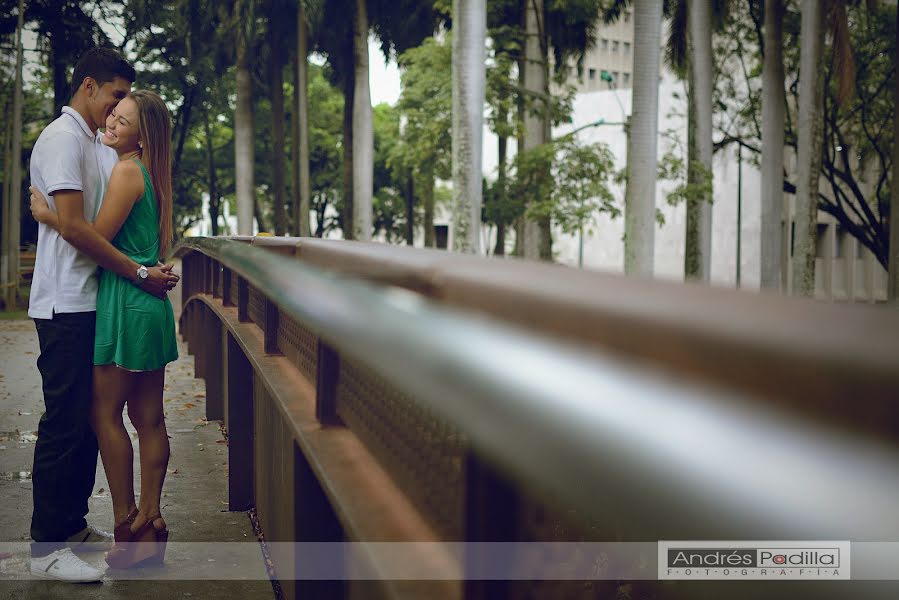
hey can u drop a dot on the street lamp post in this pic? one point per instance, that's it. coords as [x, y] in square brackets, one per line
[608, 78]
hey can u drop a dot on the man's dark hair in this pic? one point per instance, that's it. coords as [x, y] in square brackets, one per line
[103, 65]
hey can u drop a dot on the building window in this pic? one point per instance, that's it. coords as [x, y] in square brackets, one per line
[627, 16]
[615, 47]
[627, 48]
[592, 74]
[615, 77]
[821, 241]
[605, 44]
[626, 79]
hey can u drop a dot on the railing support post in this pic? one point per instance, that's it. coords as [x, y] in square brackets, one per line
[243, 300]
[327, 371]
[240, 426]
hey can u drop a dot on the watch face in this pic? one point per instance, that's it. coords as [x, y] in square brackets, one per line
[142, 272]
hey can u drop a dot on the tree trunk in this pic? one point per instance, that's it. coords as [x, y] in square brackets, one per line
[244, 150]
[642, 141]
[13, 229]
[293, 195]
[535, 84]
[213, 180]
[502, 143]
[260, 217]
[427, 196]
[469, 81]
[893, 282]
[700, 34]
[276, 89]
[519, 224]
[346, 218]
[363, 129]
[808, 169]
[409, 193]
[302, 185]
[692, 251]
[773, 110]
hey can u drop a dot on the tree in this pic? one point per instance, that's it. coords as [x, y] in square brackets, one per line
[537, 235]
[388, 204]
[300, 141]
[642, 141]
[277, 18]
[857, 126]
[363, 136]
[502, 94]
[811, 137]
[893, 284]
[68, 31]
[426, 105]
[698, 243]
[565, 183]
[773, 116]
[12, 201]
[469, 37]
[244, 151]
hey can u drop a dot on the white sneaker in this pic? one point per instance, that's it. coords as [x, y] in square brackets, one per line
[64, 566]
[90, 539]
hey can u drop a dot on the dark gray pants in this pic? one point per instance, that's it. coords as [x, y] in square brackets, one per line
[65, 455]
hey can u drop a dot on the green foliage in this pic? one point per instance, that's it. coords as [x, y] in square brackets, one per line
[388, 204]
[565, 181]
[858, 134]
[426, 106]
[325, 153]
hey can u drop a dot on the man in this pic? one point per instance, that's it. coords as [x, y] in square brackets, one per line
[70, 167]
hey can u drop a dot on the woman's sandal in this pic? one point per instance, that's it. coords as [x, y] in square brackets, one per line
[143, 547]
[122, 535]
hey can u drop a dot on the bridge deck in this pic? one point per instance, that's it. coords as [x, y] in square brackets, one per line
[195, 492]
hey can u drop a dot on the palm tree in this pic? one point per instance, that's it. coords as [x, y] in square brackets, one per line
[698, 243]
[642, 149]
[13, 200]
[893, 285]
[811, 136]
[773, 114]
[276, 36]
[301, 185]
[244, 151]
[469, 81]
[363, 129]
[536, 83]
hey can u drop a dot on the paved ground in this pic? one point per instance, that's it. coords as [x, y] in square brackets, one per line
[194, 499]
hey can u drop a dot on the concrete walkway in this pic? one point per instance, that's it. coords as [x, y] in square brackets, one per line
[194, 499]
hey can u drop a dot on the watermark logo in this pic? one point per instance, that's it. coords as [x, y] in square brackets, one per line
[778, 560]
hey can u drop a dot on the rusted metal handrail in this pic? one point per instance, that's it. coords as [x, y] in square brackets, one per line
[662, 457]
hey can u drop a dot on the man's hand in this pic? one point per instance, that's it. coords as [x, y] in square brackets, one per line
[159, 281]
[40, 209]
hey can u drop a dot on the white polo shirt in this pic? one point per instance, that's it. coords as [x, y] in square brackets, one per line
[67, 156]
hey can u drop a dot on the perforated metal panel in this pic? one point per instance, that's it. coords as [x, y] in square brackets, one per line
[233, 291]
[299, 345]
[422, 454]
[256, 308]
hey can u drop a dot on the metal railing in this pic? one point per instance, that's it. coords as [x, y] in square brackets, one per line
[479, 421]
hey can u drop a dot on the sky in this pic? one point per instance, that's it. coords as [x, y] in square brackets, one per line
[384, 79]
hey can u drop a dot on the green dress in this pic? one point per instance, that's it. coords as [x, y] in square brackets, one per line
[135, 330]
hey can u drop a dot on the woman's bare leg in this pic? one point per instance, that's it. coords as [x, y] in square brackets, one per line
[112, 386]
[146, 414]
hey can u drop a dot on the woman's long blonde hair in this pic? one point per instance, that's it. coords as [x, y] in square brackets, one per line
[156, 135]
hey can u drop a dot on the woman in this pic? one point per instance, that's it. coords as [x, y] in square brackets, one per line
[135, 335]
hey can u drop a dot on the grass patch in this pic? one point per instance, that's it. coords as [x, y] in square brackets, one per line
[15, 315]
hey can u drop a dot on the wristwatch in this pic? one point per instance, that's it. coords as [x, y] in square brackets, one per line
[142, 274]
